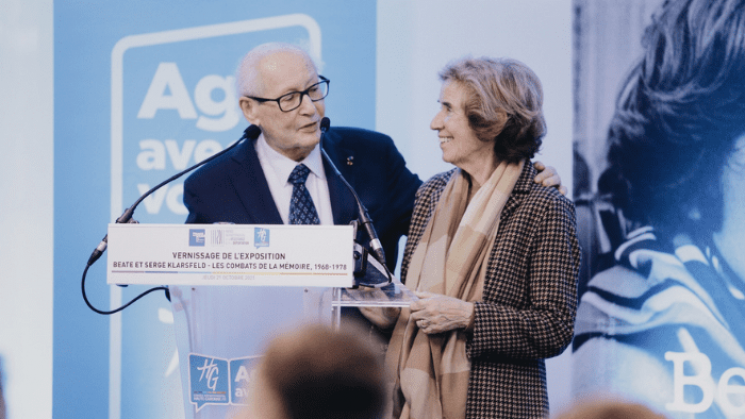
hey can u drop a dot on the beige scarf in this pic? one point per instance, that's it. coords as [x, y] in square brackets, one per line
[431, 371]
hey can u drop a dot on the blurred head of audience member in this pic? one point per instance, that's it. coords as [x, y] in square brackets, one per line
[609, 409]
[318, 372]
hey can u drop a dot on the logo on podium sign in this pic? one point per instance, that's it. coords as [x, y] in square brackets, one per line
[197, 237]
[209, 379]
[261, 237]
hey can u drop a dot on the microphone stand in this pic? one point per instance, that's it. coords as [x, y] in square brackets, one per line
[364, 217]
[250, 133]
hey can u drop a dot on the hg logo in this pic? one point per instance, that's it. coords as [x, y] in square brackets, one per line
[197, 237]
[209, 372]
[209, 380]
[261, 237]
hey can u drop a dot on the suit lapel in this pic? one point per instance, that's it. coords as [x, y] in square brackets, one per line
[343, 206]
[520, 191]
[250, 185]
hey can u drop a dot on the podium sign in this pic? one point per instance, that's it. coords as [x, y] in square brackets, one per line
[230, 254]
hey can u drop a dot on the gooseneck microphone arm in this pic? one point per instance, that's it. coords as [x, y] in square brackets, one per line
[250, 133]
[365, 220]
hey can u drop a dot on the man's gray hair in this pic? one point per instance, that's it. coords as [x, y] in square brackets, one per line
[248, 77]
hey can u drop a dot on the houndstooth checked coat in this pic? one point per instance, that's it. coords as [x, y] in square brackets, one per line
[529, 300]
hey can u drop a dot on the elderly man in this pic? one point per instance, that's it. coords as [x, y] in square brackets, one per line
[281, 92]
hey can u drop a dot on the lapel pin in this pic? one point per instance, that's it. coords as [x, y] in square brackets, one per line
[350, 160]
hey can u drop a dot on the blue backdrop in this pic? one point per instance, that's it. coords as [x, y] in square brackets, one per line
[142, 90]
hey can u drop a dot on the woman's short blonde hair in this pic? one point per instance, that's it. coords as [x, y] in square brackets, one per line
[504, 104]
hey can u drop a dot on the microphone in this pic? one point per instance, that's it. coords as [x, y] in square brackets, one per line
[250, 133]
[364, 217]
[325, 124]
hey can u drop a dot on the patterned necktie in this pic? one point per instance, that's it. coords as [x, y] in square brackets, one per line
[302, 210]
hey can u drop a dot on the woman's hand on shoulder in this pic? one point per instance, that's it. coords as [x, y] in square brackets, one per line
[436, 313]
[548, 176]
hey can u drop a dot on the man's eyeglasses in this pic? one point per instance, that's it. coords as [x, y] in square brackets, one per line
[291, 101]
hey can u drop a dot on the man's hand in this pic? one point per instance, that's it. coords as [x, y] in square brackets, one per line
[548, 176]
[383, 317]
[435, 313]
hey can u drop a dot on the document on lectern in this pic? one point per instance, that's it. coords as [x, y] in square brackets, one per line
[230, 254]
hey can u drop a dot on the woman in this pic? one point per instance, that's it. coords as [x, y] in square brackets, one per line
[671, 310]
[492, 256]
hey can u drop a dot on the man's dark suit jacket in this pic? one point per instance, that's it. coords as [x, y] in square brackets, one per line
[232, 188]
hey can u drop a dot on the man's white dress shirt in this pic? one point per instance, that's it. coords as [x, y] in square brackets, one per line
[277, 169]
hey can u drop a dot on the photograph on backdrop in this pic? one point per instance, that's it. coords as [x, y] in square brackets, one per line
[659, 188]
